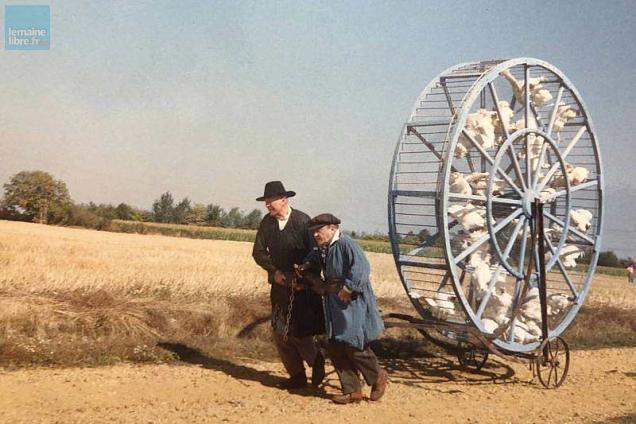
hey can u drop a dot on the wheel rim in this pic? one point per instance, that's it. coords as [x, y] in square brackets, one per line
[529, 192]
[574, 291]
[553, 373]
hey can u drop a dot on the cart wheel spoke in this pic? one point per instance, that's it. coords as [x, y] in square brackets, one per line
[495, 101]
[572, 230]
[511, 330]
[561, 267]
[475, 245]
[511, 183]
[512, 240]
[574, 189]
[555, 165]
[555, 108]
[522, 247]
[512, 153]
[550, 352]
[539, 166]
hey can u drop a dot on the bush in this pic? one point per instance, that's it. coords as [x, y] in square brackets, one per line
[176, 230]
[82, 216]
[609, 258]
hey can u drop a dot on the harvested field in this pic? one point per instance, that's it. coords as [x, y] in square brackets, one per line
[195, 312]
[38, 258]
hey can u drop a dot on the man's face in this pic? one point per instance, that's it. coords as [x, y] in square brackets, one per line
[324, 234]
[276, 206]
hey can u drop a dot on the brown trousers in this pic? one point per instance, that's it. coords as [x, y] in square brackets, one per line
[349, 361]
[293, 351]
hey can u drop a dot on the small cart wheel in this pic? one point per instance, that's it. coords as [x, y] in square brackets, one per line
[552, 373]
[472, 358]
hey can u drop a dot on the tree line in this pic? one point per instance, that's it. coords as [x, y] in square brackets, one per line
[38, 197]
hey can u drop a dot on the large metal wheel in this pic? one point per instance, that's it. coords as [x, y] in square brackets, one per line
[483, 142]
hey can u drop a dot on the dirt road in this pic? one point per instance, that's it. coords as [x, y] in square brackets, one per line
[601, 387]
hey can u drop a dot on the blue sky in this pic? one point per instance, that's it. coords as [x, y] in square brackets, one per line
[210, 100]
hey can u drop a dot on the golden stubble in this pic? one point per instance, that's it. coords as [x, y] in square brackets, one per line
[37, 258]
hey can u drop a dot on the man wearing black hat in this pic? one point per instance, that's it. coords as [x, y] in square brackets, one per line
[352, 318]
[283, 241]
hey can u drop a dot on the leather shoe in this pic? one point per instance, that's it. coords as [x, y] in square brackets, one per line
[318, 370]
[353, 397]
[297, 381]
[378, 388]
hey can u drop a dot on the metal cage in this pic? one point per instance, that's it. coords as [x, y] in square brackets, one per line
[470, 162]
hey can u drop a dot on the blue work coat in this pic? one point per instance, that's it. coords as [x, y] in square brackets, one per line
[358, 321]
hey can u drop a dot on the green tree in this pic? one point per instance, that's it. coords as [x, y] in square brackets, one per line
[181, 211]
[107, 212]
[253, 219]
[143, 215]
[232, 219]
[215, 214]
[197, 215]
[124, 211]
[608, 258]
[83, 216]
[37, 196]
[163, 208]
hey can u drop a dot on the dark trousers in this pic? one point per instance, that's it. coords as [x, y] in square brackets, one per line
[293, 351]
[349, 361]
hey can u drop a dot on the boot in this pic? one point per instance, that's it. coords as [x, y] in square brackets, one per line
[353, 397]
[378, 388]
[297, 381]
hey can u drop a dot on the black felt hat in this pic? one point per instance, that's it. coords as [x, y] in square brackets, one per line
[321, 220]
[273, 189]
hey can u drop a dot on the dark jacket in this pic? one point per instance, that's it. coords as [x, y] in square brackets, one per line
[280, 250]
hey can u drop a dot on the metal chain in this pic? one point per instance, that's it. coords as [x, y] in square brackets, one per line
[289, 312]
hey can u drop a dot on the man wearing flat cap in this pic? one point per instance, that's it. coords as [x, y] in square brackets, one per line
[282, 241]
[352, 318]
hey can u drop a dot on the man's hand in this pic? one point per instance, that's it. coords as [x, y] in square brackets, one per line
[279, 277]
[314, 282]
[296, 285]
[299, 269]
[344, 295]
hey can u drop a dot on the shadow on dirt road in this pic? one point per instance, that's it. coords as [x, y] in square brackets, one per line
[241, 372]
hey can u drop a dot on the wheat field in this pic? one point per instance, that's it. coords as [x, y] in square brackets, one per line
[77, 296]
[39, 258]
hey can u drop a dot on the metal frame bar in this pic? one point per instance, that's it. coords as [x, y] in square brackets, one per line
[537, 212]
